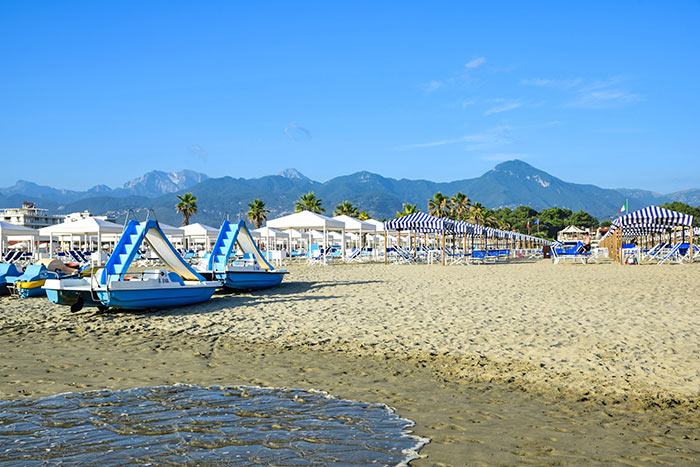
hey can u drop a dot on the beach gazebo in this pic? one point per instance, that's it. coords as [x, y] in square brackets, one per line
[201, 233]
[18, 232]
[356, 226]
[267, 234]
[307, 220]
[85, 228]
[570, 233]
[651, 225]
[419, 222]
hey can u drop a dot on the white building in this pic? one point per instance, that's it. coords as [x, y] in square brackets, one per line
[29, 216]
[78, 216]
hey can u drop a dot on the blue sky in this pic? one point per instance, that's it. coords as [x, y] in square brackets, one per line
[99, 92]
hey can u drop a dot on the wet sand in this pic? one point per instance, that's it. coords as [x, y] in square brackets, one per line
[497, 364]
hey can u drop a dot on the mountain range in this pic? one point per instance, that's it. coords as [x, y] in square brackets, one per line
[508, 184]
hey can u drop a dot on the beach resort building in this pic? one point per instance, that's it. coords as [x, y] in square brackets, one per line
[29, 216]
[571, 233]
[78, 216]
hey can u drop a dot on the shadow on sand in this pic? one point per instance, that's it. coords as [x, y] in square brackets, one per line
[224, 298]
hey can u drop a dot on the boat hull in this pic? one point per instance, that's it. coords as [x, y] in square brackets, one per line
[143, 299]
[69, 291]
[69, 297]
[30, 288]
[251, 280]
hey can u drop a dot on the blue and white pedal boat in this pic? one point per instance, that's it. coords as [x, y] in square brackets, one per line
[253, 272]
[115, 287]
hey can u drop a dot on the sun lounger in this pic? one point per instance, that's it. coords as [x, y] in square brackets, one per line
[575, 253]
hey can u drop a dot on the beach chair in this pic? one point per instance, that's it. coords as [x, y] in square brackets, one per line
[403, 256]
[355, 255]
[679, 253]
[576, 253]
[480, 257]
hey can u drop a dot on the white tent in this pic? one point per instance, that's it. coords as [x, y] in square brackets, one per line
[8, 230]
[267, 234]
[357, 226]
[378, 225]
[201, 233]
[308, 220]
[173, 232]
[84, 227]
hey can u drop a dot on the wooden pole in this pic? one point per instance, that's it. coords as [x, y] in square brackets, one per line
[443, 246]
[385, 245]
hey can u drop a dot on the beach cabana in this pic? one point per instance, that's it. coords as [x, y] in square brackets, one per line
[17, 232]
[307, 220]
[268, 234]
[649, 227]
[85, 228]
[419, 222]
[200, 233]
[356, 226]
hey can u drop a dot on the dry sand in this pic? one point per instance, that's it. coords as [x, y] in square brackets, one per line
[498, 364]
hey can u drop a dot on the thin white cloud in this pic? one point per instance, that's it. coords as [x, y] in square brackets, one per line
[505, 106]
[601, 94]
[433, 85]
[199, 151]
[476, 63]
[554, 83]
[296, 132]
[488, 139]
[596, 94]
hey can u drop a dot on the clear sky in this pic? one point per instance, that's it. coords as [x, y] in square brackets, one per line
[592, 92]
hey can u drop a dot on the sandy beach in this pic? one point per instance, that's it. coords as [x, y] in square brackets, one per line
[497, 364]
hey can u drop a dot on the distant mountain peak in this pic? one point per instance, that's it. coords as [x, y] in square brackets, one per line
[157, 182]
[516, 165]
[294, 174]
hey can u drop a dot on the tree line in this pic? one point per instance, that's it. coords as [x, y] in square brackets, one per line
[524, 219]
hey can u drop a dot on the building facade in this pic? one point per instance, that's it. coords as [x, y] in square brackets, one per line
[29, 216]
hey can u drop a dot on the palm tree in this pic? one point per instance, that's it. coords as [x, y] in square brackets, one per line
[363, 216]
[309, 202]
[460, 206]
[407, 209]
[346, 208]
[187, 206]
[490, 219]
[476, 214]
[439, 205]
[257, 211]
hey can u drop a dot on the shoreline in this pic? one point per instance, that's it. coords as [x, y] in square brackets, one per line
[466, 421]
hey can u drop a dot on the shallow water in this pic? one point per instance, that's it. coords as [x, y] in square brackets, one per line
[186, 424]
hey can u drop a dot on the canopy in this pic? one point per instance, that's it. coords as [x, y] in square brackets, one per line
[17, 231]
[12, 230]
[171, 230]
[305, 220]
[200, 230]
[355, 225]
[420, 221]
[267, 232]
[573, 229]
[378, 225]
[89, 225]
